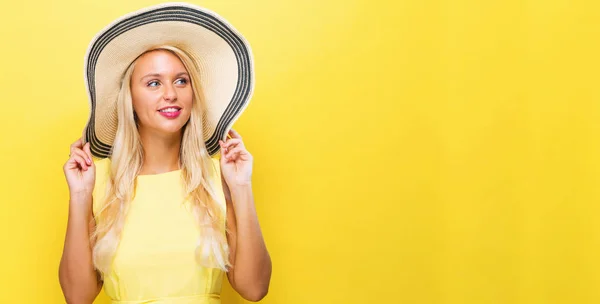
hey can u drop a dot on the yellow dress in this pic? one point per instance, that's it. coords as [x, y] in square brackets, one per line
[155, 261]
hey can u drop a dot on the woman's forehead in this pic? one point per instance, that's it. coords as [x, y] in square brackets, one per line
[159, 62]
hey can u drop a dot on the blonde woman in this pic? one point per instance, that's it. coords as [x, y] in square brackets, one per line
[155, 216]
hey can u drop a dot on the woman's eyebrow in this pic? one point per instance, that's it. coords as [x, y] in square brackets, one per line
[159, 75]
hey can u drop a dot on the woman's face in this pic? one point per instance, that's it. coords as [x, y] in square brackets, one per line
[162, 92]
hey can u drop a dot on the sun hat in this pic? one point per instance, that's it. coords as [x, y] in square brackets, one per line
[222, 54]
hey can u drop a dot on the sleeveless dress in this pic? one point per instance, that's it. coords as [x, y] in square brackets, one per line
[155, 260]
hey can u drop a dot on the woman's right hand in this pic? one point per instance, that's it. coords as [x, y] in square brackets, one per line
[80, 170]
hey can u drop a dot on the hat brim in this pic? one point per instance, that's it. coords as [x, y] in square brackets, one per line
[222, 54]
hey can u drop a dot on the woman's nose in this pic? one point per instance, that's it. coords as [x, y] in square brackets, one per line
[170, 93]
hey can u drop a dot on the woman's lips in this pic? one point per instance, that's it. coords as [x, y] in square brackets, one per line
[170, 114]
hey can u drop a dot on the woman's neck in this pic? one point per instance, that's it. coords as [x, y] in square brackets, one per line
[161, 153]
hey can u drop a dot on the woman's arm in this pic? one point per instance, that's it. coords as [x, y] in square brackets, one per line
[79, 280]
[251, 271]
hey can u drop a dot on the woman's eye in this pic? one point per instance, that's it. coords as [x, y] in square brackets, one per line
[150, 84]
[182, 81]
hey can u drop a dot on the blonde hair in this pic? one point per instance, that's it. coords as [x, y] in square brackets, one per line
[126, 162]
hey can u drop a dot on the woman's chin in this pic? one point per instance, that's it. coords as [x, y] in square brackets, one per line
[172, 128]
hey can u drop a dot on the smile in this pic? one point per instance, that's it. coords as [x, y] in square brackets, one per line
[170, 112]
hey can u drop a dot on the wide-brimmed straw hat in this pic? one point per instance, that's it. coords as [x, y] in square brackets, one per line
[223, 56]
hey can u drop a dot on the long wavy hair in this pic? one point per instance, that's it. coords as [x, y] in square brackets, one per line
[196, 164]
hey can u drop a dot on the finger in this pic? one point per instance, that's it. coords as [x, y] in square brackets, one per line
[78, 143]
[232, 143]
[78, 160]
[225, 158]
[226, 146]
[82, 154]
[75, 146]
[234, 134]
[223, 151]
[88, 151]
[234, 152]
[231, 157]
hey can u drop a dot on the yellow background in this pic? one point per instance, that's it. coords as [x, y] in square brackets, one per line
[405, 151]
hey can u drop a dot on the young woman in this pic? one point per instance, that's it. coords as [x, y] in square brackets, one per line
[157, 217]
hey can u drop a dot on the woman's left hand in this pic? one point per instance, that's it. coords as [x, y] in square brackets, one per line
[236, 161]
